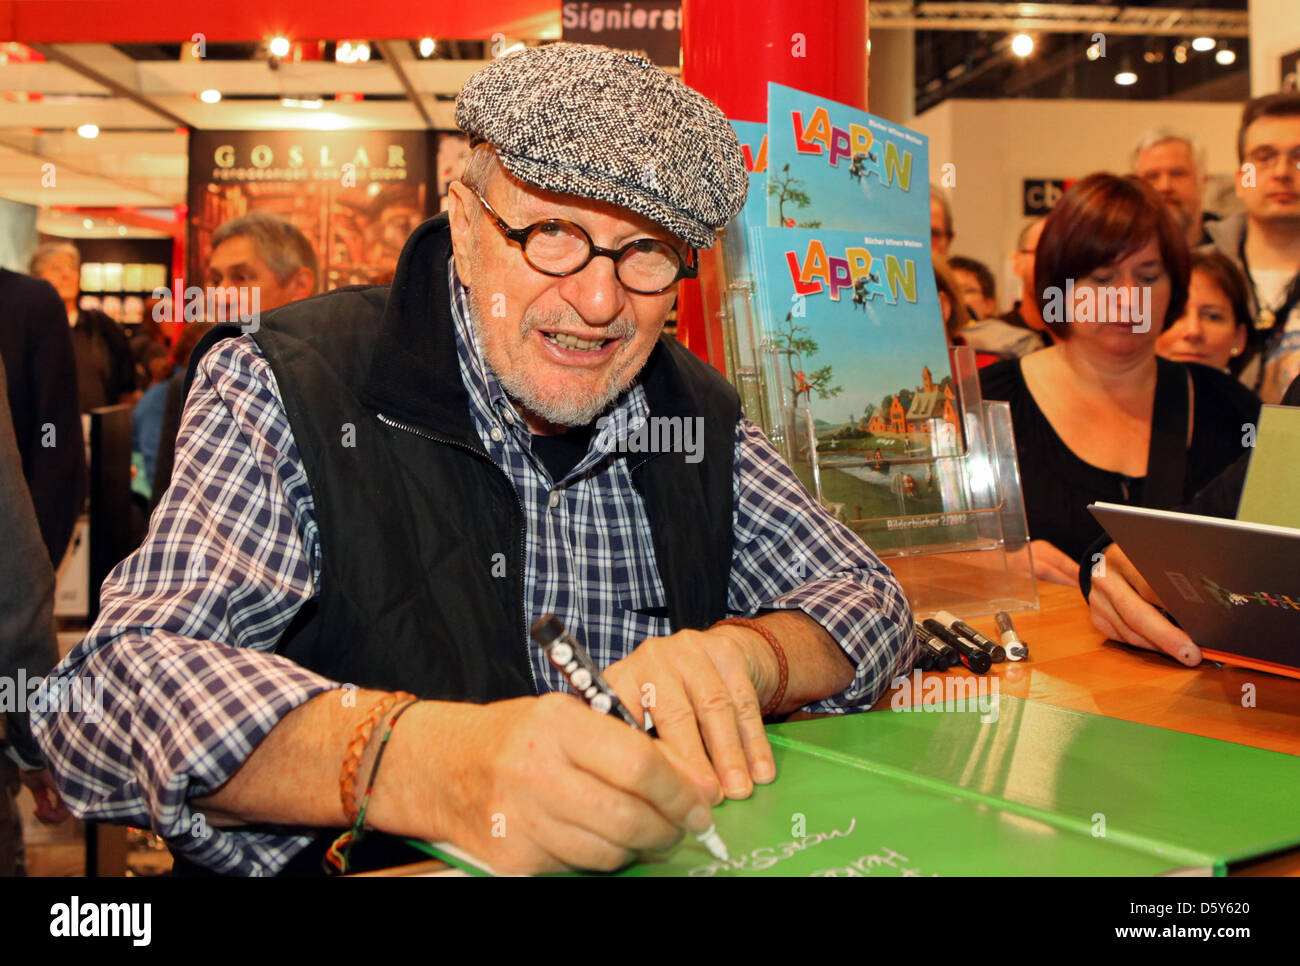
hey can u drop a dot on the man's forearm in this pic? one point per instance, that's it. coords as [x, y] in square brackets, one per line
[818, 666]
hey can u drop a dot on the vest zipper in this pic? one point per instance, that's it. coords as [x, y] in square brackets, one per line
[523, 529]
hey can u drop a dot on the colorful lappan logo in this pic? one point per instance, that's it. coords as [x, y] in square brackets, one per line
[1230, 599]
[857, 270]
[858, 146]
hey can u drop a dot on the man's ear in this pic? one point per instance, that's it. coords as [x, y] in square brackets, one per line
[461, 219]
[302, 284]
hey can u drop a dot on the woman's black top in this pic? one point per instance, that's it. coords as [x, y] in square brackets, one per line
[1058, 485]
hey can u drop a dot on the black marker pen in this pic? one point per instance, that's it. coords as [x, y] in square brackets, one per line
[577, 666]
[945, 656]
[974, 658]
[995, 651]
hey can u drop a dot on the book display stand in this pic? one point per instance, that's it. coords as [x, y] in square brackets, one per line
[942, 506]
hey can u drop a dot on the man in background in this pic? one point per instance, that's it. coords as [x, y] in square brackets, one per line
[1174, 164]
[105, 366]
[1264, 240]
[257, 250]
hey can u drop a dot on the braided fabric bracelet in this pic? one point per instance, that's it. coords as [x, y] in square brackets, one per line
[775, 701]
[336, 859]
[357, 748]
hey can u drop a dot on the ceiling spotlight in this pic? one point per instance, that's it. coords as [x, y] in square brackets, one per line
[89, 130]
[121, 229]
[427, 46]
[1022, 45]
[1203, 44]
[361, 51]
[1180, 54]
[87, 224]
[279, 46]
[1093, 51]
[343, 52]
[210, 96]
[1225, 56]
[1126, 78]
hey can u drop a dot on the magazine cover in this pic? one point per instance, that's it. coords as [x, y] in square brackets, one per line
[854, 321]
[833, 166]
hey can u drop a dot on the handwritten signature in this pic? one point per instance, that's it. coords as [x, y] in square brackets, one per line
[768, 856]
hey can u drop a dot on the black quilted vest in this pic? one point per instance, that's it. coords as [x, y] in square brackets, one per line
[416, 521]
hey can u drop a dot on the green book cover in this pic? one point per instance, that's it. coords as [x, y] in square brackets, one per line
[1270, 495]
[1012, 788]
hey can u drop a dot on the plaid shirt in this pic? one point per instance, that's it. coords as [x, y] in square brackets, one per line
[189, 623]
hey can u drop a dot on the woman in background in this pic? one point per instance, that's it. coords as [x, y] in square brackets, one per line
[1098, 416]
[1212, 330]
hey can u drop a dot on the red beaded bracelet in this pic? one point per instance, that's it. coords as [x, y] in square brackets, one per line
[775, 701]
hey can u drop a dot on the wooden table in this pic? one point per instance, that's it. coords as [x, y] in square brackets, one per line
[1072, 665]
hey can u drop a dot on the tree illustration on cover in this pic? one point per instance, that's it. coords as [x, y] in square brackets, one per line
[793, 346]
[789, 188]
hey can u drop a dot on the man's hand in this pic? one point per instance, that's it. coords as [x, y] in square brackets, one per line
[534, 785]
[1052, 564]
[49, 806]
[702, 691]
[1124, 607]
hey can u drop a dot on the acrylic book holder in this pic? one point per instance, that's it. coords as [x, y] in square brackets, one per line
[947, 515]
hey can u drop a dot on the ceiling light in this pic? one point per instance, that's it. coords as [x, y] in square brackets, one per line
[210, 96]
[1225, 56]
[312, 104]
[1180, 54]
[427, 46]
[121, 229]
[89, 130]
[280, 46]
[1022, 45]
[87, 224]
[1094, 51]
[1126, 78]
[361, 52]
[343, 53]
[1203, 44]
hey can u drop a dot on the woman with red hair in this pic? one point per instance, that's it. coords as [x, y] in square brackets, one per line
[1098, 416]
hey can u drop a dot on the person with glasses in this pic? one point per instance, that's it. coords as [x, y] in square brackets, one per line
[380, 490]
[1264, 240]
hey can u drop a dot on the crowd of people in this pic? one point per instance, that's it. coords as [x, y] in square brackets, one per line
[1199, 323]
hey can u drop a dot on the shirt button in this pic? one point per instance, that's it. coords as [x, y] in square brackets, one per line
[554, 501]
[508, 416]
[496, 434]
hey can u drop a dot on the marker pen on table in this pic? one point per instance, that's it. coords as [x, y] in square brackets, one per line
[585, 678]
[1017, 650]
[994, 650]
[942, 656]
[974, 658]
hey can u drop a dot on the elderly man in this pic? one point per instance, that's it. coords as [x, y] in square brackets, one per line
[385, 487]
[1174, 164]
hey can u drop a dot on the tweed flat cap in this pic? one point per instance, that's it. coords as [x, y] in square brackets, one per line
[607, 124]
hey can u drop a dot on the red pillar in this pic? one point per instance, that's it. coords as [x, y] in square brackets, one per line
[731, 49]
